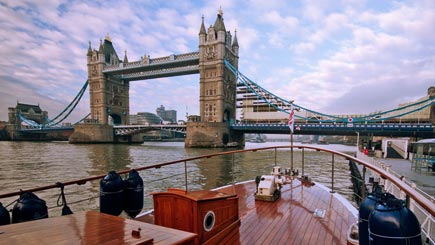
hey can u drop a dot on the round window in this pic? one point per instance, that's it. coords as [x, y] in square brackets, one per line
[209, 220]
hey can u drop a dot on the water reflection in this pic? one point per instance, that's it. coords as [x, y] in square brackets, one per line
[106, 157]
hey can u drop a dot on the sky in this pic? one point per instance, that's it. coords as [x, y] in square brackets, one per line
[332, 56]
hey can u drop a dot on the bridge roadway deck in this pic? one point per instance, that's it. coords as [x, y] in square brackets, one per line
[425, 130]
[135, 129]
[43, 130]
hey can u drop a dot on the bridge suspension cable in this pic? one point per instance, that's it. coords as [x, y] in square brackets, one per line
[67, 111]
[283, 105]
[62, 115]
[81, 120]
[29, 122]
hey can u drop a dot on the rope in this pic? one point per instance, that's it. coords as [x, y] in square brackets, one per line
[394, 237]
[65, 210]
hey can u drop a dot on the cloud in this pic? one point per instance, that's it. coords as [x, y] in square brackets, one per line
[331, 56]
[303, 48]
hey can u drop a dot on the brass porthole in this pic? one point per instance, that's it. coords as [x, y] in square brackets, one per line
[209, 221]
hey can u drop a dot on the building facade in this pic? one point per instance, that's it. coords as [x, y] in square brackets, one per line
[30, 112]
[167, 115]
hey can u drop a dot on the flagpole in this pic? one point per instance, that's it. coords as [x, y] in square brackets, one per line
[291, 154]
[291, 126]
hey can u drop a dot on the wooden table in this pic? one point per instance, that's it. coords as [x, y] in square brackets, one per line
[91, 228]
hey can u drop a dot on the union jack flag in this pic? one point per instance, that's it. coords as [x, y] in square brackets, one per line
[291, 119]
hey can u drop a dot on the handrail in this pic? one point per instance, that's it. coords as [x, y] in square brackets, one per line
[418, 198]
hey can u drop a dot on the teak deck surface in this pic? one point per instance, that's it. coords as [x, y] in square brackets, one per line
[291, 219]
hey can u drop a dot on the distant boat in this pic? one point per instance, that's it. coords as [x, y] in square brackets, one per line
[232, 144]
[258, 139]
[322, 142]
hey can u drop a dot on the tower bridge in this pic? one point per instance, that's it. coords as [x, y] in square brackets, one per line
[224, 90]
[109, 80]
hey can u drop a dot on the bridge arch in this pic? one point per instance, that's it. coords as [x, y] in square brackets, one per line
[115, 119]
[226, 116]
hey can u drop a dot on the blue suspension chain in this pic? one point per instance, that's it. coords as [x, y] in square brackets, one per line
[69, 108]
[264, 94]
[72, 105]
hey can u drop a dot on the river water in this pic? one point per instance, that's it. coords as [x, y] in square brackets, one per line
[26, 165]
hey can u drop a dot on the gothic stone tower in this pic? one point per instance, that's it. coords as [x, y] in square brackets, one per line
[217, 88]
[109, 96]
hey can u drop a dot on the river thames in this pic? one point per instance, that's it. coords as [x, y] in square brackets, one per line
[25, 165]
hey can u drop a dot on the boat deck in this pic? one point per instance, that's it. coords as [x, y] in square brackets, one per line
[291, 219]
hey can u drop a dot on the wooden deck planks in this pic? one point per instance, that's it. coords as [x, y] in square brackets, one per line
[291, 228]
[290, 220]
[308, 204]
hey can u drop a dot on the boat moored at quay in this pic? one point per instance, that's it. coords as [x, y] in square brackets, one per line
[280, 203]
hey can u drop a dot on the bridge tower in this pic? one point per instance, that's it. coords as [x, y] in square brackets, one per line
[109, 95]
[217, 100]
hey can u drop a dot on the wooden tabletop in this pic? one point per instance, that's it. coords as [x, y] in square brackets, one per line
[91, 228]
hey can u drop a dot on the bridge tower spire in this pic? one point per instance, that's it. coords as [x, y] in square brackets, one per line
[217, 86]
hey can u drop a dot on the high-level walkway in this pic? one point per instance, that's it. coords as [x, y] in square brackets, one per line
[168, 66]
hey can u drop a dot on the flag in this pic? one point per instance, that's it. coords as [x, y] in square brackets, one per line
[291, 119]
